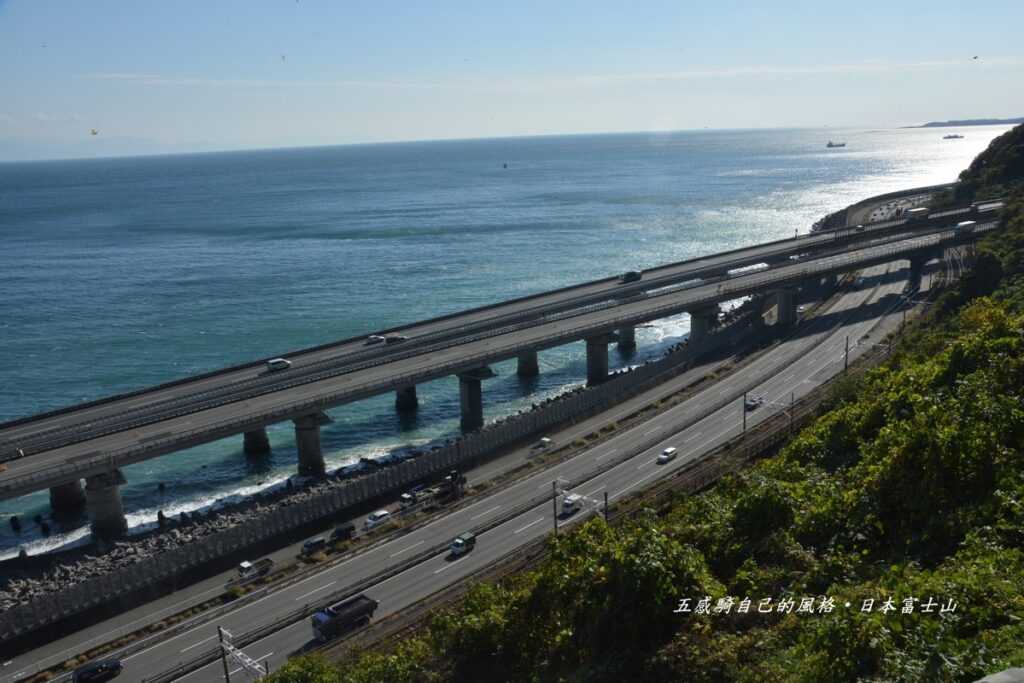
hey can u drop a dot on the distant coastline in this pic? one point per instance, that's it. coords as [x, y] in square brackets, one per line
[971, 122]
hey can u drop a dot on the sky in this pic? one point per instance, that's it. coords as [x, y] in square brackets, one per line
[153, 76]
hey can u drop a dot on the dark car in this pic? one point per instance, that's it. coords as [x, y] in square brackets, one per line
[343, 532]
[103, 670]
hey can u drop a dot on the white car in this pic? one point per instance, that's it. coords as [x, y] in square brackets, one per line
[667, 455]
[375, 519]
[373, 339]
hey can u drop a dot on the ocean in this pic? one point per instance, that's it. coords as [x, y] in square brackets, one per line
[117, 274]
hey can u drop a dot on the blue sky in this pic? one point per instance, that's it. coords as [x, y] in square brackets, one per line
[158, 76]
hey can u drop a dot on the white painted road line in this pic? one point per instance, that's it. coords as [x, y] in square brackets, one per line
[315, 590]
[485, 512]
[588, 495]
[204, 640]
[447, 565]
[645, 464]
[414, 545]
[606, 455]
[524, 528]
[637, 483]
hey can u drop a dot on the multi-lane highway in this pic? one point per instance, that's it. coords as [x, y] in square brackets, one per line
[113, 436]
[795, 366]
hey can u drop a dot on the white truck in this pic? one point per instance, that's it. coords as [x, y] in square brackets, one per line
[918, 214]
[571, 504]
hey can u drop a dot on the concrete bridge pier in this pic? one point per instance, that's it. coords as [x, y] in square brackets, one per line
[597, 358]
[406, 400]
[627, 338]
[527, 365]
[917, 262]
[471, 397]
[103, 501]
[69, 497]
[785, 306]
[702, 321]
[307, 442]
[256, 442]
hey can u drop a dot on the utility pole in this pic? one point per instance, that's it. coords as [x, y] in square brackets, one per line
[606, 506]
[743, 409]
[554, 505]
[846, 357]
[223, 655]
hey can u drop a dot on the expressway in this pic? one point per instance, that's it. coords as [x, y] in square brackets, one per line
[797, 365]
[202, 419]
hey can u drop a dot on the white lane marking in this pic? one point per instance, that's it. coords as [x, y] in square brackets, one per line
[315, 590]
[259, 659]
[524, 528]
[414, 545]
[588, 495]
[606, 455]
[645, 464]
[695, 435]
[485, 512]
[637, 483]
[204, 640]
[651, 431]
[447, 565]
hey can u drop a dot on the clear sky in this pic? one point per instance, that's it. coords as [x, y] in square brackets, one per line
[184, 75]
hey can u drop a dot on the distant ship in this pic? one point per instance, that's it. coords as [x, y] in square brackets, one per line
[952, 136]
[835, 144]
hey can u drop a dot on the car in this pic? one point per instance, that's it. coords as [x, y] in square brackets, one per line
[543, 443]
[859, 228]
[343, 532]
[630, 276]
[275, 364]
[313, 546]
[753, 402]
[667, 455]
[374, 339]
[412, 496]
[394, 338]
[102, 670]
[801, 309]
[375, 519]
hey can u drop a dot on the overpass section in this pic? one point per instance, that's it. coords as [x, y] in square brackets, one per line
[66, 448]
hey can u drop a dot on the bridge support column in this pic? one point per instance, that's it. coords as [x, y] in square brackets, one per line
[471, 397]
[917, 262]
[69, 497]
[597, 359]
[406, 400]
[702, 321]
[785, 306]
[527, 365]
[256, 442]
[103, 501]
[627, 338]
[307, 442]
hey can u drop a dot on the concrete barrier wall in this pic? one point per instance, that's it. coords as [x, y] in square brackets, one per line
[151, 571]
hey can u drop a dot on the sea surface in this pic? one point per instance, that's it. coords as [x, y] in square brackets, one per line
[117, 274]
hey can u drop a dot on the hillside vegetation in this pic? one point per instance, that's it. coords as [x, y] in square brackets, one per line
[910, 486]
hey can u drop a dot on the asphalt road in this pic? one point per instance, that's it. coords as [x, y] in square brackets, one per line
[797, 365]
[426, 362]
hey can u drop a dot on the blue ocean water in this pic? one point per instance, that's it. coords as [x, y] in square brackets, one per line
[116, 274]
